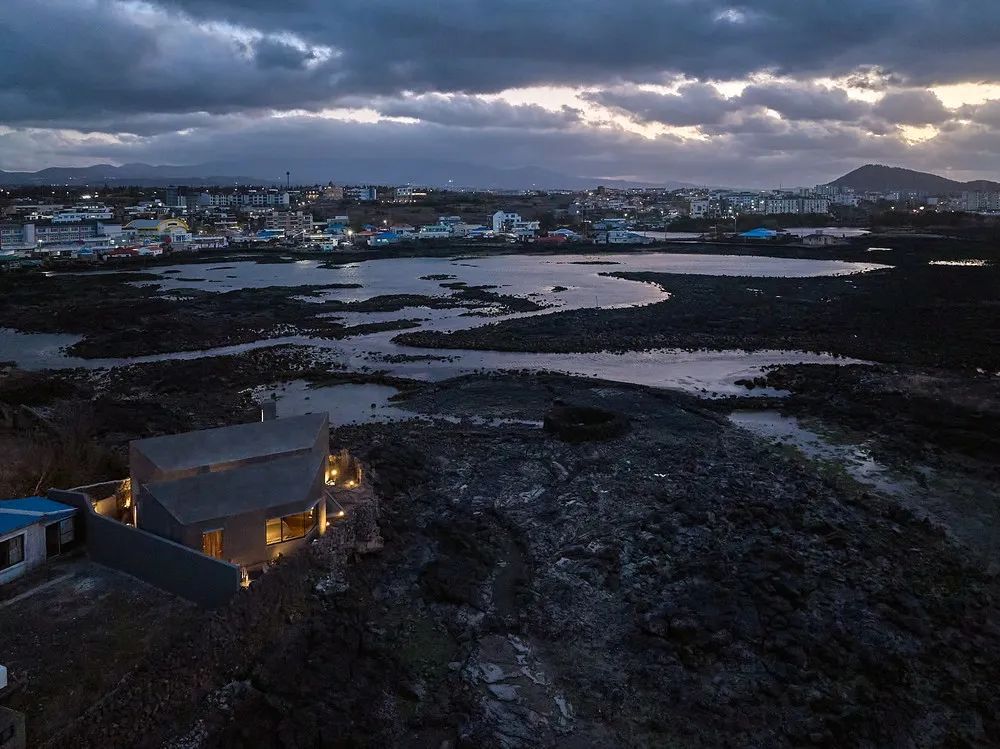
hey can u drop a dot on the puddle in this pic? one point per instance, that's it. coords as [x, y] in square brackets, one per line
[347, 403]
[855, 459]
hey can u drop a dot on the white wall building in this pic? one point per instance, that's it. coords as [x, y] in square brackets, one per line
[978, 200]
[700, 208]
[32, 530]
[434, 231]
[82, 213]
[502, 218]
[255, 199]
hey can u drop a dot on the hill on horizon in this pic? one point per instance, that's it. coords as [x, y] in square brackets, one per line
[432, 173]
[881, 178]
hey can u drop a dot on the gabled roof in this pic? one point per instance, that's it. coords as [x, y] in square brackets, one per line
[257, 486]
[20, 513]
[258, 439]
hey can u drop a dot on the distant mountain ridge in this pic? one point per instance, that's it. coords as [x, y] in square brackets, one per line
[880, 178]
[433, 173]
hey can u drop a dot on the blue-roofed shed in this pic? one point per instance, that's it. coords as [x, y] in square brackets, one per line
[760, 233]
[33, 529]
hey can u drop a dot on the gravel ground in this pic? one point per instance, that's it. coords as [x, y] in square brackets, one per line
[682, 585]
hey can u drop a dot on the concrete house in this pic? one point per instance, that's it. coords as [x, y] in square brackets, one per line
[243, 494]
[32, 530]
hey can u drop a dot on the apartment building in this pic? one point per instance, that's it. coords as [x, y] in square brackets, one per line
[293, 223]
[980, 200]
[30, 235]
[250, 199]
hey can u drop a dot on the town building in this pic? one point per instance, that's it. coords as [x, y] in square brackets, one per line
[32, 235]
[760, 232]
[383, 238]
[511, 223]
[700, 208]
[434, 231]
[621, 236]
[408, 194]
[502, 220]
[246, 199]
[362, 193]
[151, 230]
[83, 212]
[33, 530]
[980, 200]
[292, 223]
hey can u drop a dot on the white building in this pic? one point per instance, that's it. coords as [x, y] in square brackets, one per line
[33, 530]
[513, 224]
[524, 229]
[363, 194]
[434, 231]
[621, 236]
[774, 206]
[501, 219]
[700, 208]
[253, 199]
[979, 200]
[82, 213]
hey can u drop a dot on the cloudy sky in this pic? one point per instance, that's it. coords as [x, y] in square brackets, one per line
[752, 93]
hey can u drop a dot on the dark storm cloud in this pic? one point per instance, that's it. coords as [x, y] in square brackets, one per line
[78, 63]
[274, 53]
[471, 111]
[774, 154]
[912, 108]
[703, 104]
[693, 104]
[181, 81]
[485, 44]
[804, 101]
[99, 56]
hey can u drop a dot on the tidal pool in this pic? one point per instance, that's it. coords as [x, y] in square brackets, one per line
[581, 278]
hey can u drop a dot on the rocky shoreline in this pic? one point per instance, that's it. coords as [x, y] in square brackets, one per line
[933, 316]
[682, 584]
[677, 582]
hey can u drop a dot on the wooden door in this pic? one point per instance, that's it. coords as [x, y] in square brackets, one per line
[211, 543]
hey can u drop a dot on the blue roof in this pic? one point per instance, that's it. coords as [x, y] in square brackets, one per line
[20, 513]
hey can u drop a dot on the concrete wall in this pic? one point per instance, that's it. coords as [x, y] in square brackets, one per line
[110, 498]
[157, 561]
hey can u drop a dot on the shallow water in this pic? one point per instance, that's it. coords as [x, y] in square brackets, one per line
[348, 403]
[532, 276]
[855, 459]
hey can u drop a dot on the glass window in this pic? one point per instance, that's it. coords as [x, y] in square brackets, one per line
[290, 526]
[274, 530]
[11, 552]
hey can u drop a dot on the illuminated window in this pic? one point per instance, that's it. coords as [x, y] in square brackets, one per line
[290, 527]
[211, 543]
[274, 530]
